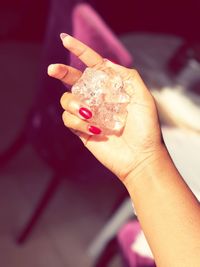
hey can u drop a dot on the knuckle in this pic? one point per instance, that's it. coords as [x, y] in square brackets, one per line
[64, 100]
[82, 51]
[76, 124]
[65, 118]
[70, 121]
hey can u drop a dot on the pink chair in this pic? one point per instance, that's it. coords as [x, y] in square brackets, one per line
[126, 237]
[89, 27]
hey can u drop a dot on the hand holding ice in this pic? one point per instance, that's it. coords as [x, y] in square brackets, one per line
[103, 92]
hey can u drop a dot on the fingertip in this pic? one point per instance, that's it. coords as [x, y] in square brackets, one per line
[63, 99]
[63, 35]
[94, 130]
[85, 113]
[65, 118]
[51, 69]
[55, 69]
[58, 71]
[66, 39]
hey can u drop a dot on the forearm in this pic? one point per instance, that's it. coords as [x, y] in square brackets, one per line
[168, 212]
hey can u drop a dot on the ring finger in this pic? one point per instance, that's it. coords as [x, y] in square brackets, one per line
[73, 105]
[75, 123]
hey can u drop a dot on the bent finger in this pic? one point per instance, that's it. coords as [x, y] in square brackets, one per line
[73, 105]
[75, 123]
[66, 74]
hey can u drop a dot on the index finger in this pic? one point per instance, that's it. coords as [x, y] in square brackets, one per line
[86, 54]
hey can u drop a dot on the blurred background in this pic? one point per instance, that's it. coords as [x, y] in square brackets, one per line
[55, 198]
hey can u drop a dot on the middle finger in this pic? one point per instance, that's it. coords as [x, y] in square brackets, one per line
[86, 54]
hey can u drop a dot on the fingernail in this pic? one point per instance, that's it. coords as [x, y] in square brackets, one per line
[63, 35]
[85, 113]
[94, 130]
[50, 69]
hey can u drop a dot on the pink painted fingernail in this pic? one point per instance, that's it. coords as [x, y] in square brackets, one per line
[63, 35]
[85, 113]
[94, 130]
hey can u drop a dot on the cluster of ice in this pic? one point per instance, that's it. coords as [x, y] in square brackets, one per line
[104, 93]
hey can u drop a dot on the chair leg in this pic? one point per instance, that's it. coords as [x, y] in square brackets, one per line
[47, 196]
[19, 142]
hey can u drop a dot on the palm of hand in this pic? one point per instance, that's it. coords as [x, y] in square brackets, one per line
[138, 138]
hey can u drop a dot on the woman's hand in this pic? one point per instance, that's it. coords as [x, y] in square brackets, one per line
[140, 140]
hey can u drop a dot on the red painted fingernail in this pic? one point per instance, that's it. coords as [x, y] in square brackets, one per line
[85, 113]
[94, 130]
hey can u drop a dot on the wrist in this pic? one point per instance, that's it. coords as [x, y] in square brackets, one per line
[148, 164]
